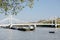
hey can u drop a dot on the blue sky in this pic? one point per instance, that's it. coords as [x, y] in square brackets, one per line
[43, 9]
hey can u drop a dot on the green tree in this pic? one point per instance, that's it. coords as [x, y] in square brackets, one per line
[15, 5]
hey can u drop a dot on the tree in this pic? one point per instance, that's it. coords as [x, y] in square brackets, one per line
[14, 5]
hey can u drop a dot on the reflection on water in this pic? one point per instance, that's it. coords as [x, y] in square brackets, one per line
[38, 34]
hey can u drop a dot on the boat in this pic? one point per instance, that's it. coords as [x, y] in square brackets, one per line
[23, 28]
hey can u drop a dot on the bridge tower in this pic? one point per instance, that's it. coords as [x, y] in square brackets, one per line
[55, 22]
[11, 19]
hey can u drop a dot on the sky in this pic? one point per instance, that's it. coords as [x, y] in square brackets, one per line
[42, 9]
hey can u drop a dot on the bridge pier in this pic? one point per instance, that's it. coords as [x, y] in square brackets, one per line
[55, 25]
[11, 25]
[35, 25]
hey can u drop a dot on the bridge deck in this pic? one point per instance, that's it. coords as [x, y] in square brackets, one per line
[28, 24]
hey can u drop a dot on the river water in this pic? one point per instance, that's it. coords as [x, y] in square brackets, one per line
[38, 34]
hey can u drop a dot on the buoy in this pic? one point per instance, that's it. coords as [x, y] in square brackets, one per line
[51, 31]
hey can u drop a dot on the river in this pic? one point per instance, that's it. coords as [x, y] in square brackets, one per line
[38, 34]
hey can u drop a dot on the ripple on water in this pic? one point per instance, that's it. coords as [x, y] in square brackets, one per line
[37, 34]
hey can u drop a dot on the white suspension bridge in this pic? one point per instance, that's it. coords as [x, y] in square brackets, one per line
[18, 22]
